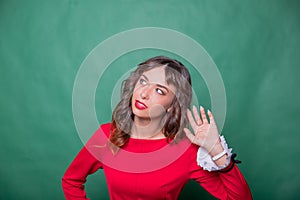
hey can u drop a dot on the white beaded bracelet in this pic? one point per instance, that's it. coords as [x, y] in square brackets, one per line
[216, 157]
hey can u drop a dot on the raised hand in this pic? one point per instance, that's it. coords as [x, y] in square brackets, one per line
[206, 133]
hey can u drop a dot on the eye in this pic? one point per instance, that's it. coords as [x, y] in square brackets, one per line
[160, 91]
[143, 82]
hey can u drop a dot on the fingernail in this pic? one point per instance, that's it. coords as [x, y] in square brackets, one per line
[201, 108]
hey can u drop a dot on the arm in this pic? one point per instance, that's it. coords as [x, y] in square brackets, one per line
[235, 183]
[227, 183]
[75, 176]
[222, 184]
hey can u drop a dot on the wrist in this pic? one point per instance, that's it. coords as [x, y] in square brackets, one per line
[217, 149]
[220, 155]
[205, 157]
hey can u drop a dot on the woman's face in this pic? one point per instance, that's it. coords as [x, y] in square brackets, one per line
[152, 96]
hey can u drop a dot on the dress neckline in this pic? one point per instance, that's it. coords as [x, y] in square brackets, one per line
[148, 139]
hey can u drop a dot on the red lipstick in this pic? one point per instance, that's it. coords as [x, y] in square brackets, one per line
[139, 105]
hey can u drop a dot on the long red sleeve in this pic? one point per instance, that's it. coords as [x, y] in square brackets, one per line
[222, 185]
[75, 176]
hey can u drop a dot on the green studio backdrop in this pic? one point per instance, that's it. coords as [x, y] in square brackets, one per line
[255, 45]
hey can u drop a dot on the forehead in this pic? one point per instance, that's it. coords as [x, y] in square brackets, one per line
[157, 75]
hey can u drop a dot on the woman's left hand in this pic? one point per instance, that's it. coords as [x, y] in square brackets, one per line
[206, 133]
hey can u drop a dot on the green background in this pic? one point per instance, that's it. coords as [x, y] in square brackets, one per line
[255, 45]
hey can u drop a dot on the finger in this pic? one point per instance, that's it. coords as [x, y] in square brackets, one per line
[189, 135]
[211, 117]
[197, 117]
[203, 115]
[191, 119]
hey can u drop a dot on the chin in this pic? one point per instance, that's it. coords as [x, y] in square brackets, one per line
[142, 114]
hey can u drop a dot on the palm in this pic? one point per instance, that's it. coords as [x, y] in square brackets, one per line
[205, 133]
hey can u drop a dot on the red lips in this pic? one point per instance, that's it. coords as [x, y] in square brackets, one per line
[139, 105]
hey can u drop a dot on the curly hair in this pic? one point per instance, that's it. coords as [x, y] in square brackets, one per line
[176, 74]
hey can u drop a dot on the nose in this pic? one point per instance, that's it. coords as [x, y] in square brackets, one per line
[145, 92]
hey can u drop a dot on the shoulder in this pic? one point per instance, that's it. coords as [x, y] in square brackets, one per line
[186, 149]
[101, 135]
[105, 128]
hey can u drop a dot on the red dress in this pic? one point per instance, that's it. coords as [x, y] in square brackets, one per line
[163, 183]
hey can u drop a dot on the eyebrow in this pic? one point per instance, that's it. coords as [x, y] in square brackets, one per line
[159, 85]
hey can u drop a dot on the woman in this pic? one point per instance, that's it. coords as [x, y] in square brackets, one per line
[152, 115]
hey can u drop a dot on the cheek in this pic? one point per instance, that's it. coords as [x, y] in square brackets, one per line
[135, 92]
[157, 110]
[167, 101]
[160, 106]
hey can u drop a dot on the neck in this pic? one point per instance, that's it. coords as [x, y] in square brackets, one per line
[147, 128]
